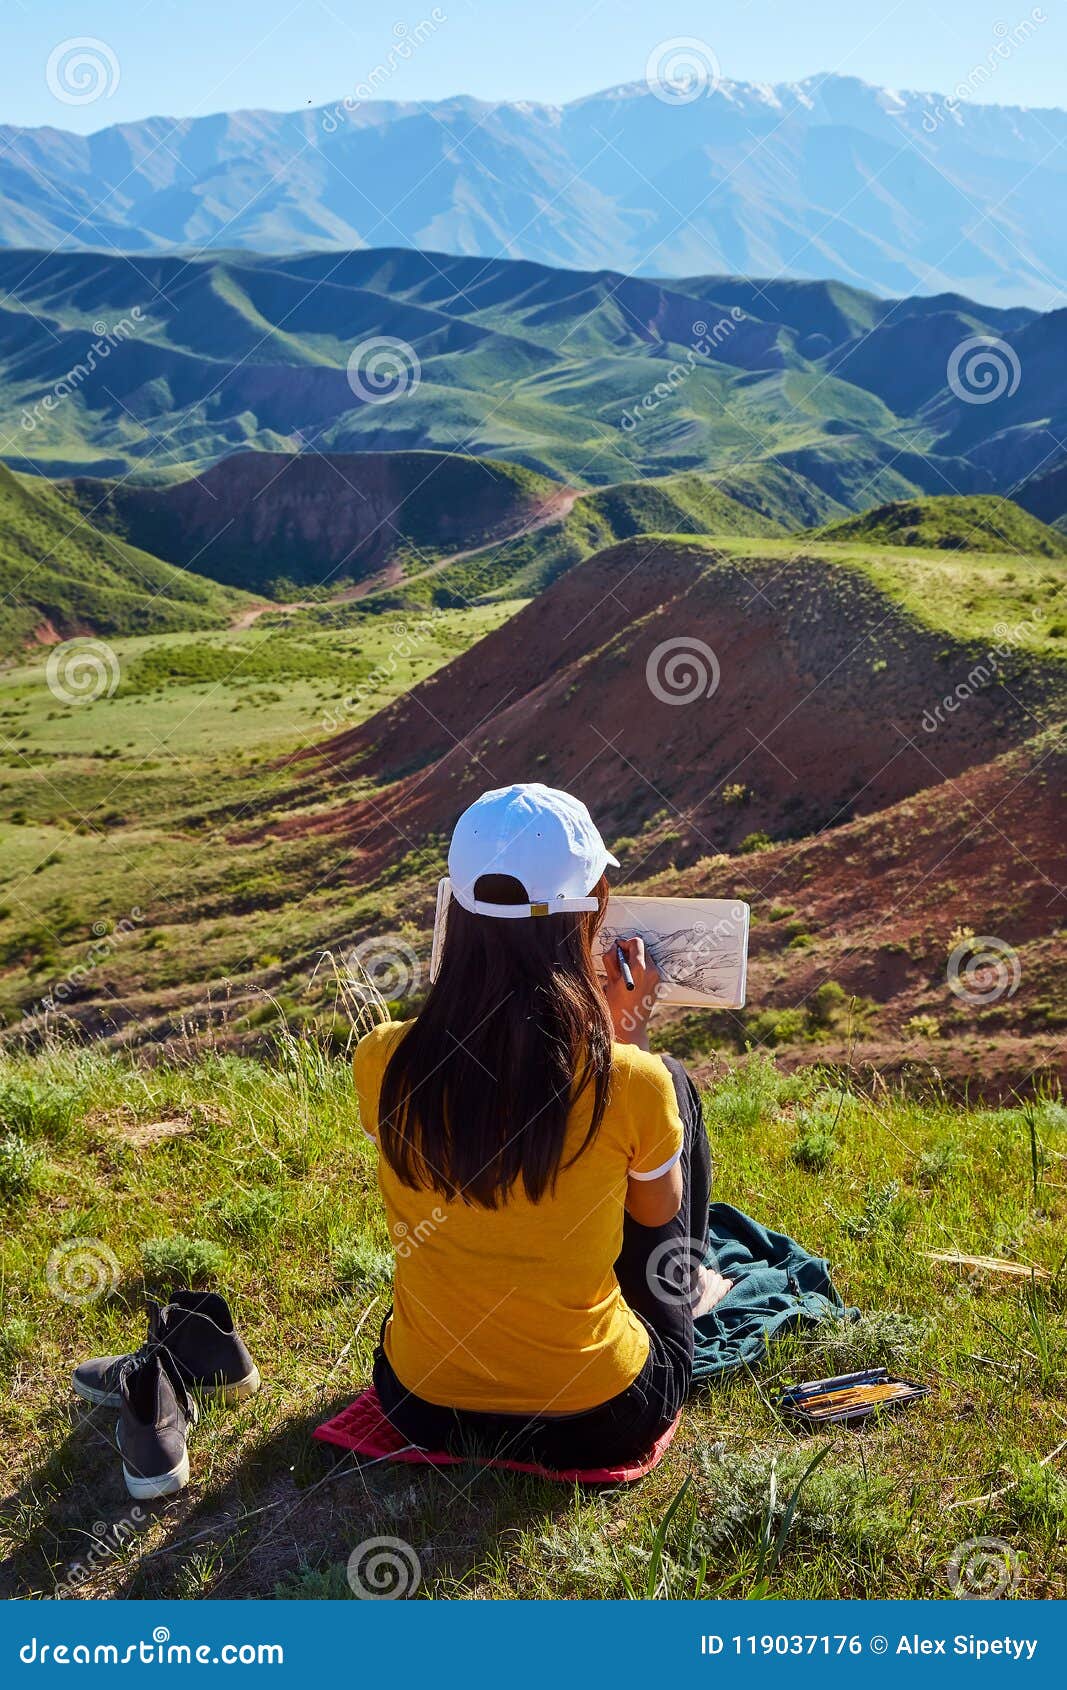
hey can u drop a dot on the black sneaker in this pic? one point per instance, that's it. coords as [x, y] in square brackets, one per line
[197, 1330]
[155, 1414]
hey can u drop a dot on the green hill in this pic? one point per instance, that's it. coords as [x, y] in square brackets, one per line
[983, 523]
[60, 575]
[682, 504]
[819, 398]
[275, 522]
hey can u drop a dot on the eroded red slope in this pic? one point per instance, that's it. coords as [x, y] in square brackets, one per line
[822, 708]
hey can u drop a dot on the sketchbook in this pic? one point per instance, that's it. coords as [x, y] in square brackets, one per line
[699, 945]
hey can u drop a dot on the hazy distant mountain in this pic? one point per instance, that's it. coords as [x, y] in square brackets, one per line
[829, 177]
[806, 400]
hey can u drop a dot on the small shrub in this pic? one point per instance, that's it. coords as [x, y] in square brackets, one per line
[756, 842]
[826, 1004]
[882, 1211]
[358, 1264]
[940, 1162]
[778, 1027]
[923, 1027]
[34, 1107]
[16, 1338]
[754, 1497]
[20, 1167]
[315, 1584]
[748, 1094]
[181, 1260]
[876, 1338]
[253, 1215]
[813, 1149]
[736, 792]
[1038, 1498]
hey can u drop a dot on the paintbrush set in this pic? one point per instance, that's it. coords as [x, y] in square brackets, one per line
[851, 1396]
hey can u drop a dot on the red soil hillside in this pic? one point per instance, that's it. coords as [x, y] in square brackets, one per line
[877, 907]
[824, 683]
[317, 517]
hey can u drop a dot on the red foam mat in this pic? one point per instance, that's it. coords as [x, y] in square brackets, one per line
[363, 1429]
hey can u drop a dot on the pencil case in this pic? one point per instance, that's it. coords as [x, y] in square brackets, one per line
[851, 1396]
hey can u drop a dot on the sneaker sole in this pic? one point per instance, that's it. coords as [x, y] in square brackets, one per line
[226, 1394]
[144, 1488]
[230, 1395]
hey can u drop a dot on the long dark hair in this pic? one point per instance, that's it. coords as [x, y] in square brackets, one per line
[476, 1096]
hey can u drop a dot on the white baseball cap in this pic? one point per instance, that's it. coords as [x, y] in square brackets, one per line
[542, 838]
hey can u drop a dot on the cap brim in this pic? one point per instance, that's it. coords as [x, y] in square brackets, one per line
[610, 861]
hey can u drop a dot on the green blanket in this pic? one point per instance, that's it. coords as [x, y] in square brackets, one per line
[777, 1286]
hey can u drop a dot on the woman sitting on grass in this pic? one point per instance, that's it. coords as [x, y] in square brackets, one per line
[546, 1179]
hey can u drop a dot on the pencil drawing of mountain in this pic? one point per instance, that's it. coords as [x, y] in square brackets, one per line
[699, 946]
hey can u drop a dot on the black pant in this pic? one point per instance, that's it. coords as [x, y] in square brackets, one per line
[656, 1272]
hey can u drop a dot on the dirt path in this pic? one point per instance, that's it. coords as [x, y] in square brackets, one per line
[554, 509]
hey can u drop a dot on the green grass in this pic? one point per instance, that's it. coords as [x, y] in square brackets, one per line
[686, 504]
[1003, 598]
[131, 827]
[57, 568]
[583, 378]
[256, 1172]
[982, 523]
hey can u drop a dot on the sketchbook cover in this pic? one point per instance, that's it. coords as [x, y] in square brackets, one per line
[699, 945]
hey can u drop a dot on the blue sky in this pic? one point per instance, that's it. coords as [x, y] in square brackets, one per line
[184, 57]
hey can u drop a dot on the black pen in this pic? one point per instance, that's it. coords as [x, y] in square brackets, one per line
[624, 967]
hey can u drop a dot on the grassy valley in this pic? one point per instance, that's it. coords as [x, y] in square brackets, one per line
[323, 625]
[264, 792]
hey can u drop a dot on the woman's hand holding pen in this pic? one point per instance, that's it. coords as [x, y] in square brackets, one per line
[630, 1007]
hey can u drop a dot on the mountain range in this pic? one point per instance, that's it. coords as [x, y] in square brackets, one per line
[804, 400]
[827, 177]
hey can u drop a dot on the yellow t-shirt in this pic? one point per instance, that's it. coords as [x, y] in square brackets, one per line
[517, 1309]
